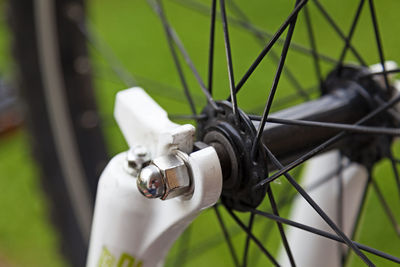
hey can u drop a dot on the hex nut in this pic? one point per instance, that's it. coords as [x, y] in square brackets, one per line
[176, 175]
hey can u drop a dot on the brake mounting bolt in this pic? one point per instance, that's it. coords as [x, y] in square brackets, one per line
[137, 158]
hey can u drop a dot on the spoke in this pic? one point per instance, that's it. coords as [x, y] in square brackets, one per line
[327, 143]
[358, 215]
[264, 236]
[284, 101]
[332, 125]
[176, 59]
[256, 241]
[320, 212]
[181, 258]
[292, 17]
[203, 9]
[187, 117]
[378, 41]
[157, 7]
[325, 179]
[107, 53]
[211, 46]
[247, 243]
[313, 45]
[352, 29]
[152, 86]
[166, 90]
[280, 227]
[287, 198]
[229, 61]
[395, 171]
[339, 203]
[271, 96]
[202, 247]
[227, 237]
[380, 73]
[325, 234]
[386, 207]
[261, 39]
[339, 31]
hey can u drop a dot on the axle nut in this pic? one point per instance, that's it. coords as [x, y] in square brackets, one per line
[165, 177]
[150, 182]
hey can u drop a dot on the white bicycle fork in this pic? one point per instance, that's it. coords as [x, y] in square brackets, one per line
[131, 230]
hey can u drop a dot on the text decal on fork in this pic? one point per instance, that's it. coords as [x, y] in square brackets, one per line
[107, 259]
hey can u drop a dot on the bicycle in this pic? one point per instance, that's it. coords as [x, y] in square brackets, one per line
[355, 91]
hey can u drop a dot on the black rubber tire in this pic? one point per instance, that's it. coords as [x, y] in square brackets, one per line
[84, 125]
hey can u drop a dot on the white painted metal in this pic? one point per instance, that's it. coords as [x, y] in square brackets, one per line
[129, 229]
[127, 222]
[310, 250]
[143, 122]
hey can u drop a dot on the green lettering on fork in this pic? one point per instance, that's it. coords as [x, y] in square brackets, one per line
[125, 260]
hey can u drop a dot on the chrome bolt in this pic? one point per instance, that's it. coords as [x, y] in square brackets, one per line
[165, 177]
[137, 158]
[150, 182]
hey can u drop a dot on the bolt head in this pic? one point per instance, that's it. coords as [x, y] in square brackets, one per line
[150, 182]
[137, 158]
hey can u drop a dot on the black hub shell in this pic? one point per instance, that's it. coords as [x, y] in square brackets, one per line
[233, 141]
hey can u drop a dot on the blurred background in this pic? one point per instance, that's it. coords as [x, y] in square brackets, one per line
[129, 35]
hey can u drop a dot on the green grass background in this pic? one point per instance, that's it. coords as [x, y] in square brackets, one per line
[136, 36]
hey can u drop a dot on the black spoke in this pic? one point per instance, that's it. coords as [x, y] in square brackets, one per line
[157, 7]
[174, 54]
[386, 207]
[280, 227]
[378, 41]
[395, 171]
[243, 24]
[229, 61]
[381, 73]
[272, 92]
[261, 39]
[313, 45]
[292, 17]
[227, 237]
[358, 214]
[320, 212]
[247, 243]
[339, 210]
[333, 125]
[325, 234]
[211, 47]
[183, 243]
[339, 31]
[187, 117]
[351, 33]
[285, 100]
[327, 143]
[255, 240]
[107, 53]
[199, 248]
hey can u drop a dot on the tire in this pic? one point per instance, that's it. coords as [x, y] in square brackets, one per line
[66, 137]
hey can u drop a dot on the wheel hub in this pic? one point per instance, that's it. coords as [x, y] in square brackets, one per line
[233, 141]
